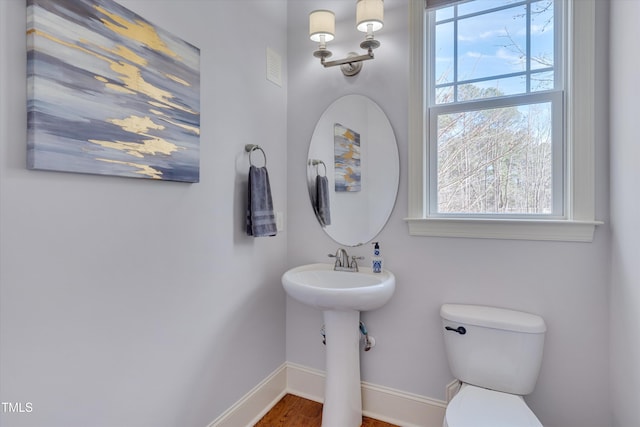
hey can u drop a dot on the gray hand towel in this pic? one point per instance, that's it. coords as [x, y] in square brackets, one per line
[261, 220]
[322, 200]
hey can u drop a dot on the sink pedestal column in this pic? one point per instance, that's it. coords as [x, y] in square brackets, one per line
[342, 392]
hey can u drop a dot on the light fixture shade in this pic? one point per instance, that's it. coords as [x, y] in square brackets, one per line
[322, 23]
[369, 12]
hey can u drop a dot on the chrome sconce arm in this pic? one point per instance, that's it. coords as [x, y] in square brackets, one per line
[350, 66]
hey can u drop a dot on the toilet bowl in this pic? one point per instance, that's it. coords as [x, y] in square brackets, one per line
[480, 407]
[496, 354]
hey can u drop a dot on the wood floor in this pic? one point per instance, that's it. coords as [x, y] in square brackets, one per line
[294, 411]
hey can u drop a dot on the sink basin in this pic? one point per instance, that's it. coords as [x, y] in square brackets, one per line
[319, 286]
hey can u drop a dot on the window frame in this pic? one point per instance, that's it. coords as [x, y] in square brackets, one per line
[578, 221]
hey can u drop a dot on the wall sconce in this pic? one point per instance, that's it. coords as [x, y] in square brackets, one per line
[322, 29]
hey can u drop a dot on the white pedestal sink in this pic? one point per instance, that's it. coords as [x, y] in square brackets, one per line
[342, 296]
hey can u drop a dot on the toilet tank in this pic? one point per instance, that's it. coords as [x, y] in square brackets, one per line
[500, 349]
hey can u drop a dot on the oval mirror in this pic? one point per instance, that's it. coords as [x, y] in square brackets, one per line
[353, 170]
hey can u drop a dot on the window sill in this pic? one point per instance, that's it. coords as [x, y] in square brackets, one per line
[555, 230]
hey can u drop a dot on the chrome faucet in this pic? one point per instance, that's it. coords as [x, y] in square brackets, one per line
[342, 261]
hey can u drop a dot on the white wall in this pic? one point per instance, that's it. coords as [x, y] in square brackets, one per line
[566, 283]
[129, 302]
[625, 211]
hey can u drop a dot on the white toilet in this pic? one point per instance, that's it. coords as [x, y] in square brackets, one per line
[496, 354]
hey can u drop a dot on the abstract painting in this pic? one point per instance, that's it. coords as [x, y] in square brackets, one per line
[347, 158]
[109, 93]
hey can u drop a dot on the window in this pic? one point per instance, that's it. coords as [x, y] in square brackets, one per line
[494, 106]
[495, 150]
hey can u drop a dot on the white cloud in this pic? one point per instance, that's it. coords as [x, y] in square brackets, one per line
[509, 56]
[482, 36]
[444, 59]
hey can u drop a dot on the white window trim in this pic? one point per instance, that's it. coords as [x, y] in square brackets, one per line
[579, 223]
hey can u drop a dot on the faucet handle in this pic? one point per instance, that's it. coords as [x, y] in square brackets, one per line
[338, 260]
[354, 264]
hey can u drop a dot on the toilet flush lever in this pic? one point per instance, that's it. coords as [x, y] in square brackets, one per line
[460, 329]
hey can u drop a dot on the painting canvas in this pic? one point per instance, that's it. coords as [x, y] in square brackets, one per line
[347, 158]
[109, 93]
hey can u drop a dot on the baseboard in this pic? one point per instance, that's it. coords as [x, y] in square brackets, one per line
[382, 403]
[452, 389]
[305, 382]
[401, 408]
[255, 404]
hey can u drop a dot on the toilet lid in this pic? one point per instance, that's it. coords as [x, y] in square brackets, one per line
[479, 407]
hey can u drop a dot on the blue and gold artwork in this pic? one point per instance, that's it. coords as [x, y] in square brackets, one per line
[347, 158]
[110, 93]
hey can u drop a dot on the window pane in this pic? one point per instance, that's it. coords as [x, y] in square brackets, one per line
[542, 33]
[444, 13]
[542, 81]
[444, 53]
[492, 44]
[495, 161]
[444, 95]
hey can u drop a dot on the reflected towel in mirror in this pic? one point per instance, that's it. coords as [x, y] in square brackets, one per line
[322, 200]
[261, 220]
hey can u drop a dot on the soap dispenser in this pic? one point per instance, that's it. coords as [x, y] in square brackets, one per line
[376, 260]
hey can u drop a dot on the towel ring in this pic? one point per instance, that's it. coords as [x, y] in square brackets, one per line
[250, 148]
[319, 162]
